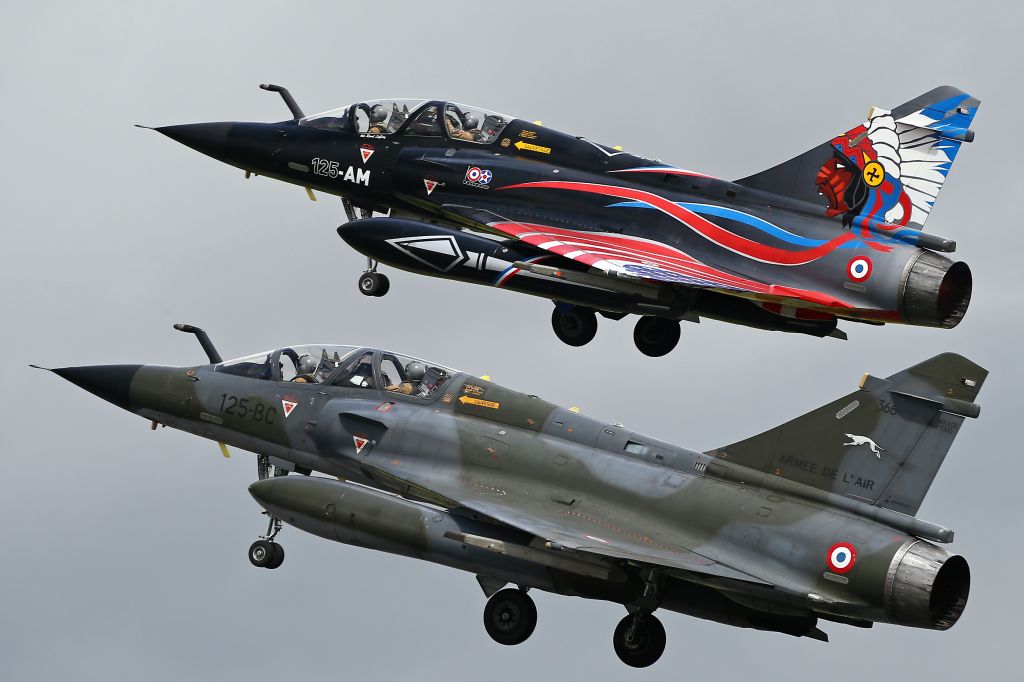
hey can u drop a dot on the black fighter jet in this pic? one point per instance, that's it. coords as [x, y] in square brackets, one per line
[476, 196]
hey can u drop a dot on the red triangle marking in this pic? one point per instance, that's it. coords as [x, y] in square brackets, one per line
[430, 184]
[360, 443]
[366, 151]
[288, 406]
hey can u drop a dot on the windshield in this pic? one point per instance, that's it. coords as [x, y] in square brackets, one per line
[311, 364]
[253, 366]
[373, 117]
[307, 364]
[472, 124]
[343, 366]
[386, 116]
[411, 376]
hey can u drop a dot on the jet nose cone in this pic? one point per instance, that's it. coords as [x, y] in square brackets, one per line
[110, 382]
[208, 138]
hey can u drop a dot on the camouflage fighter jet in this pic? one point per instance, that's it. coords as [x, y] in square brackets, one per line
[812, 520]
[481, 197]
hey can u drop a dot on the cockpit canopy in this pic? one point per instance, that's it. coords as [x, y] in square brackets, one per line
[415, 118]
[344, 367]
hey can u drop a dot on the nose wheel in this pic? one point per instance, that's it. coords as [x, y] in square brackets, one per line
[510, 616]
[265, 553]
[575, 326]
[639, 639]
[373, 284]
[656, 336]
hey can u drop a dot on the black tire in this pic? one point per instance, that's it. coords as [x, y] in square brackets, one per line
[510, 616]
[639, 640]
[577, 327]
[373, 284]
[278, 556]
[261, 553]
[656, 336]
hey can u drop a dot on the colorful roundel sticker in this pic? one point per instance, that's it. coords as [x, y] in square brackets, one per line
[841, 557]
[859, 268]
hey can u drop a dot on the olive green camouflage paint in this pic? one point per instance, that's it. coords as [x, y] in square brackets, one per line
[741, 534]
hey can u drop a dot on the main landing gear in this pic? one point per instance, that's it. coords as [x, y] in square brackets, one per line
[265, 553]
[639, 639]
[510, 616]
[577, 326]
[656, 336]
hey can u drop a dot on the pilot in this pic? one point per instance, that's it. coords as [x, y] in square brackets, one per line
[378, 114]
[305, 371]
[414, 372]
[466, 129]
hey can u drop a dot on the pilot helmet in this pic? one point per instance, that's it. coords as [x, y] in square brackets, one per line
[470, 121]
[378, 113]
[415, 370]
[307, 365]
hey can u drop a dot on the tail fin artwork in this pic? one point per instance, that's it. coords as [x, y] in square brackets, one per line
[889, 169]
[882, 444]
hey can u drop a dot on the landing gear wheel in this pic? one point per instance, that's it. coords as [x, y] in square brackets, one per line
[373, 284]
[576, 327]
[639, 640]
[656, 336]
[277, 557]
[510, 616]
[261, 553]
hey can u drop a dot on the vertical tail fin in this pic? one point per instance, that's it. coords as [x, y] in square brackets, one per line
[882, 444]
[888, 169]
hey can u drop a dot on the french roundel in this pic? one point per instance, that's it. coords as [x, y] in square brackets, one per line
[859, 268]
[841, 557]
[473, 174]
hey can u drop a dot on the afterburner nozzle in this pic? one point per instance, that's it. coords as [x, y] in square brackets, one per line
[936, 291]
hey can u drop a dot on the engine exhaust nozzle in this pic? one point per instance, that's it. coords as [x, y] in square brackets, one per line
[936, 291]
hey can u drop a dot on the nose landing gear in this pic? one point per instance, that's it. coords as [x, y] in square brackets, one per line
[373, 283]
[265, 553]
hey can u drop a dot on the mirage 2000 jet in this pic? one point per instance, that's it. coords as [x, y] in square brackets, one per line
[476, 196]
[812, 520]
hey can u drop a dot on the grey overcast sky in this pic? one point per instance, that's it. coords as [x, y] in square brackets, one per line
[124, 549]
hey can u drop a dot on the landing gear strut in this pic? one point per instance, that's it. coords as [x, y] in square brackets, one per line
[639, 638]
[656, 336]
[265, 553]
[575, 326]
[371, 282]
[510, 616]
